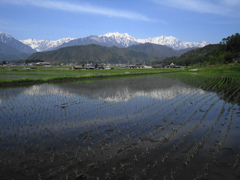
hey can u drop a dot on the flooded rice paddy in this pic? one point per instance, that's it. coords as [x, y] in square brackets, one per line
[152, 127]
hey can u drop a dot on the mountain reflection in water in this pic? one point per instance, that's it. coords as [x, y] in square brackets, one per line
[117, 90]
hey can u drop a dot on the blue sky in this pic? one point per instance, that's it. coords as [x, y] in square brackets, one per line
[187, 20]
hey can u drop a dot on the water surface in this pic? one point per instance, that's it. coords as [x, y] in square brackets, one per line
[143, 126]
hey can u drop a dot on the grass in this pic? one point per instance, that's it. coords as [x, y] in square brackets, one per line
[225, 81]
[23, 74]
[39, 74]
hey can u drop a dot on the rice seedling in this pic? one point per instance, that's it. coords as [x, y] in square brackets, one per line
[142, 127]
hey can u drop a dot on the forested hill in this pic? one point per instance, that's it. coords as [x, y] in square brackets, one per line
[227, 51]
[199, 55]
[144, 53]
[92, 53]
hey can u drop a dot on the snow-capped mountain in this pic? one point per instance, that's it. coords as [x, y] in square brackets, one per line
[111, 39]
[173, 42]
[45, 45]
[123, 39]
[15, 44]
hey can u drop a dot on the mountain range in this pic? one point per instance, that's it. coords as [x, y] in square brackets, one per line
[13, 49]
[45, 45]
[92, 53]
[111, 39]
[15, 44]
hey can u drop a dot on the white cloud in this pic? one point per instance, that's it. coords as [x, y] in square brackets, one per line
[80, 7]
[220, 7]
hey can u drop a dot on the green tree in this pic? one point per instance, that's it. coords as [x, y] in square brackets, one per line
[231, 43]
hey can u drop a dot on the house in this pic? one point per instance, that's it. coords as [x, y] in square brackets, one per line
[172, 65]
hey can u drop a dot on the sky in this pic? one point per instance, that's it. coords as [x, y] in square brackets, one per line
[187, 20]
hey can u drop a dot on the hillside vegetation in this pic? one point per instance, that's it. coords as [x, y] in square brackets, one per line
[143, 53]
[227, 51]
[92, 53]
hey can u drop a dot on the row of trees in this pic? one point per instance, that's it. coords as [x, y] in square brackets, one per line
[231, 43]
[230, 49]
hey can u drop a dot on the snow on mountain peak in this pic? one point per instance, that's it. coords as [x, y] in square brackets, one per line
[123, 40]
[5, 37]
[118, 35]
[115, 34]
[111, 34]
[14, 43]
[172, 42]
[44, 45]
[112, 39]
